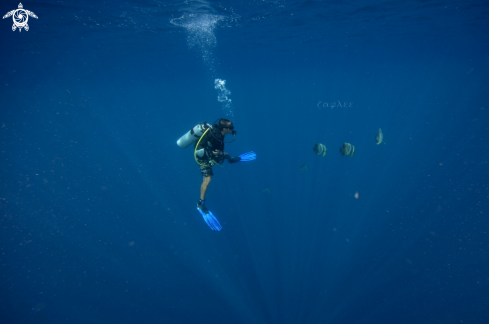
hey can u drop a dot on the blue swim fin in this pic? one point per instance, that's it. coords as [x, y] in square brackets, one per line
[248, 156]
[211, 220]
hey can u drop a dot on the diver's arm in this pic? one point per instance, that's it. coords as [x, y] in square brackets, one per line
[231, 159]
[219, 156]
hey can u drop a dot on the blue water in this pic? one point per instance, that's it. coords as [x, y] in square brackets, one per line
[98, 218]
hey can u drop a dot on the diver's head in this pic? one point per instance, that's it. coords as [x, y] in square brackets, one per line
[226, 127]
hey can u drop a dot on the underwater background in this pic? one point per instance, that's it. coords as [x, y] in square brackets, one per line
[98, 203]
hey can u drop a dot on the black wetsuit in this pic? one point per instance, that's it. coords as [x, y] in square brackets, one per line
[212, 141]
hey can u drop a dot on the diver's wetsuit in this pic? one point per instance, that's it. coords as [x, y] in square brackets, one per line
[212, 141]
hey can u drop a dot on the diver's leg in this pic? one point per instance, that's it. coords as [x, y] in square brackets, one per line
[206, 174]
[203, 187]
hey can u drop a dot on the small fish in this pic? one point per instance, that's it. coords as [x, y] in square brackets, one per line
[379, 137]
[347, 149]
[319, 149]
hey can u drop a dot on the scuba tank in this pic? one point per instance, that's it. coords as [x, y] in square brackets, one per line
[193, 135]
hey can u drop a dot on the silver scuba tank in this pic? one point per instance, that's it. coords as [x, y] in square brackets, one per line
[192, 135]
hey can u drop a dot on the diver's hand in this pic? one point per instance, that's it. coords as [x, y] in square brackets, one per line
[216, 152]
[234, 159]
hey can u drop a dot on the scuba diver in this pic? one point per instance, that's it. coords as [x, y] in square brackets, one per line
[209, 151]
